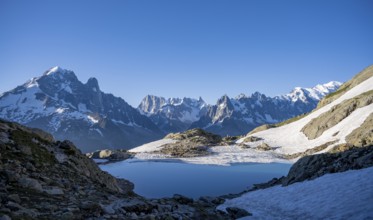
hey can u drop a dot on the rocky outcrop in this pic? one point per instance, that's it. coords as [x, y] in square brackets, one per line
[191, 143]
[347, 157]
[42, 178]
[309, 151]
[110, 156]
[316, 127]
[45, 179]
[363, 135]
[311, 167]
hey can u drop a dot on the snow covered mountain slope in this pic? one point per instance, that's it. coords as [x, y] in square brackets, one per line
[346, 119]
[59, 103]
[237, 116]
[173, 114]
[346, 195]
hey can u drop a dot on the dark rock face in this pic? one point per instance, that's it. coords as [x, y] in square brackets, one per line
[59, 103]
[311, 167]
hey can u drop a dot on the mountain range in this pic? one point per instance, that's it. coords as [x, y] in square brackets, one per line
[60, 104]
[232, 116]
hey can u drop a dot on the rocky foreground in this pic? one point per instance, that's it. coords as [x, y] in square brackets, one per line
[45, 179]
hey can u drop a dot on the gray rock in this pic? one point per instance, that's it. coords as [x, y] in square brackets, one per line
[164, 208]
[14, 198]
[30, 183]
[237, 212]
[13, 206]
[311, 167]
[182, 199]
[108, 209]
[5, 217]
[54, 191]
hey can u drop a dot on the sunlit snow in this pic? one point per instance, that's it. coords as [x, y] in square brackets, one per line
[347, 195]
[290, 139]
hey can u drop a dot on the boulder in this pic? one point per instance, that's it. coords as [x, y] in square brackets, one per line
[30, 183]
[235, 212]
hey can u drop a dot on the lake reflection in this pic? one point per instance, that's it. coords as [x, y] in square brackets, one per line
[163, 179]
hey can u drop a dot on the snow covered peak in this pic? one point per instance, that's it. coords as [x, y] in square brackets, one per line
[53, 70]
[151, 104]
[241, 96]
[257, 95]
[316, 93]
[333, 84]
[32, 83]
[327, 87]
[172, 114]
[224, 99]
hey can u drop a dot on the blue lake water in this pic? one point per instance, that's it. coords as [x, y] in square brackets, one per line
[163, 179]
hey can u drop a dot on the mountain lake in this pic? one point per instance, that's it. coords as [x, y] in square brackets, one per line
[156, 179]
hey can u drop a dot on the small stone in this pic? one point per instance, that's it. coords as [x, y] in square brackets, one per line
[30, 183]
[14, 198]
[30, 167]
[12, 176]
[67, 215]
[5, 210]
[108, 209]
[54, 191]
[182, 199]
[13, 206]
[5, 217]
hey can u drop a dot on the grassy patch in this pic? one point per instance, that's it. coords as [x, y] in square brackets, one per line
[40, 154]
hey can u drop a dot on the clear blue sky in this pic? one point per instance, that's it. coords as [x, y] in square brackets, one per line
[190, 48]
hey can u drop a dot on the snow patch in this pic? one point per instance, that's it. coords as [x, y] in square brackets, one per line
[54, 70]
[290, 139]
[152, 146]
[92, 119]
[60, 110]
[221, 155]
[347, 195]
